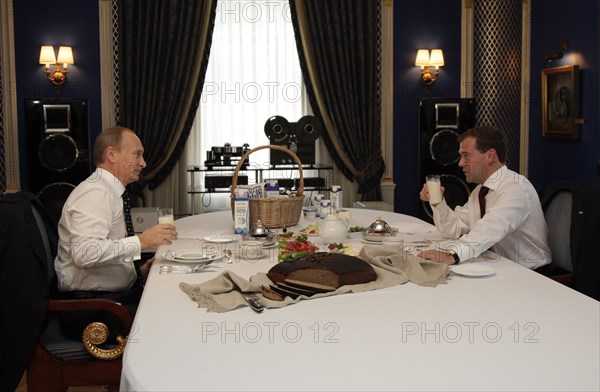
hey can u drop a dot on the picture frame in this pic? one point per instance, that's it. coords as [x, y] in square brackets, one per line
[560, 102]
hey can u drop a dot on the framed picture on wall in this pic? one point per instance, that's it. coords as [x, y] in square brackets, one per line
[560, 102]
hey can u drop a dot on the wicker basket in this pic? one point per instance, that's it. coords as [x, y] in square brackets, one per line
[274, 213]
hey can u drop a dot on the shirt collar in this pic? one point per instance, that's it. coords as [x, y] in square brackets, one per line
[111, 181]
[494, 179]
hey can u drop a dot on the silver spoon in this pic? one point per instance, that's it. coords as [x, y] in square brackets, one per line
[227, 254]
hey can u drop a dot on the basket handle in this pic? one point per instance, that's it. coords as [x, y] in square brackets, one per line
[273, 147]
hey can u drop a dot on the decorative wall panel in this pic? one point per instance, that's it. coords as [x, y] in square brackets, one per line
[2, 158]
[115, 59]
[497, 40]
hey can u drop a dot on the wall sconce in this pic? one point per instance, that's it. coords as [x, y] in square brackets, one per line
[59, 75]
[430, 65]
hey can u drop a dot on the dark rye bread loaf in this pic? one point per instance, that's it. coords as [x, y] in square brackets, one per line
[328, 269]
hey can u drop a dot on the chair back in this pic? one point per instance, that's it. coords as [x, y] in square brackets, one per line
[557, 212]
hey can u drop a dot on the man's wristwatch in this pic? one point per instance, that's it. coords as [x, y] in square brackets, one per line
[454, 255]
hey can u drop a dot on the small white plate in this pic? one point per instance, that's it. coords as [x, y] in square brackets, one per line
[190, 256]
[472, 270]
[273, 245]
[365, 241]
[220, 238]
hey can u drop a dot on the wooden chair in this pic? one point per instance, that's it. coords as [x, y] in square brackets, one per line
[59, 362]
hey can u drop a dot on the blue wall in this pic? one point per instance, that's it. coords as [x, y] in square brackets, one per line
[67, 23]
[552, 22]
[419, 27]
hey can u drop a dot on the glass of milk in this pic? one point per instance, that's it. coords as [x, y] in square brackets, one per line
[434, 187]
[165, 215]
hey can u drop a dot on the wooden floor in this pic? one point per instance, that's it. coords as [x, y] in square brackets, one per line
[23, 387]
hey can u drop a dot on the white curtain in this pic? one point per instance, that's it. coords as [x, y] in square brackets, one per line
[253, 74]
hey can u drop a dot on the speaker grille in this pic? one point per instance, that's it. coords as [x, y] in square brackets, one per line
[58, 153]
[53, 197]
[443, 147]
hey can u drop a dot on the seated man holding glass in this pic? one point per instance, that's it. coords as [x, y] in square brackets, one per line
[97, 247]
[503, 212]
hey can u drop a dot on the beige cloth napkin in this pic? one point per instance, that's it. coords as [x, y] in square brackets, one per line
[223, 293]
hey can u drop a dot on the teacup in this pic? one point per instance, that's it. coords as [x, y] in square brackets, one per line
[251, 250]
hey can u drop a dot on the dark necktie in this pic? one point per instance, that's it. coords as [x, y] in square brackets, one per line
[482, 192]
[130, 233]
[127, 214]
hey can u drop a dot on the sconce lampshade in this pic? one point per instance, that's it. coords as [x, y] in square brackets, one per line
[422, 59]
[47, 55]
[65, 55]
[437, 58]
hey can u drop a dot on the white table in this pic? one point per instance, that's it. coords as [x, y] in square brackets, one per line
[515, 330]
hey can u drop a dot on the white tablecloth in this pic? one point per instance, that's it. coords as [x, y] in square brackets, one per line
[515, 330]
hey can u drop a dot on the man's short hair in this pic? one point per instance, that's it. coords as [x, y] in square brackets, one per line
[109, 137]
[486, 138]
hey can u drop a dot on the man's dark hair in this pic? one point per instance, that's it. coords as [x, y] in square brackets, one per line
[487, 137]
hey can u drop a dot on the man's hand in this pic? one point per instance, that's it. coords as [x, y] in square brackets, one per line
[145, 268]
[424, 194]
[437, 256]
[163, 234]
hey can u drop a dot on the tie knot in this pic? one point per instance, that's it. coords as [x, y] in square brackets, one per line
[483, 191]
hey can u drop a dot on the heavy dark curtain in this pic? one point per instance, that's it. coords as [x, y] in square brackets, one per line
[164, 47]
[338, 45]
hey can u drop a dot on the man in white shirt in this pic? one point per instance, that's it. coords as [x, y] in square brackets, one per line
[95, 253]
[509, 219]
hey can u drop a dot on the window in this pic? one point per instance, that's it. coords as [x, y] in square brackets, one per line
[253, 74]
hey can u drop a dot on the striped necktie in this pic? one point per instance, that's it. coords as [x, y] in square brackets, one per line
[482, 192]
[130, 233]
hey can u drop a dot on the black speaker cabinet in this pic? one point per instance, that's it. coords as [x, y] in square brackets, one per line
[441, 121]
[57, 147]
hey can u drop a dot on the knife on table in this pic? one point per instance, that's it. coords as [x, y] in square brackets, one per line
[252, 300]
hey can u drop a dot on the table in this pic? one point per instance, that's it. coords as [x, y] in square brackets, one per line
[515, 330]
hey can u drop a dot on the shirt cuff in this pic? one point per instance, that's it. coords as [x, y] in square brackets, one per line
[134, 246]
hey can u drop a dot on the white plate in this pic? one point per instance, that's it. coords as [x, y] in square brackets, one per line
[365, 241]
[274, 244]
[190, 256]
[472, 270]
[220, 238]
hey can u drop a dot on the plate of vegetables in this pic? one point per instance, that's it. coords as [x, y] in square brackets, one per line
[296, 247]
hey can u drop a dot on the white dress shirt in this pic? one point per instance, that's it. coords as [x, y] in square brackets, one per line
[513, 224]
[94, 252]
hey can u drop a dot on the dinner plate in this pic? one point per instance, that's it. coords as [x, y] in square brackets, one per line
[472, 270]
[190, 256]
[365, 241]
[220, 238]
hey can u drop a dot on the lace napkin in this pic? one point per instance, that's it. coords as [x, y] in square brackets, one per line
[224, 293]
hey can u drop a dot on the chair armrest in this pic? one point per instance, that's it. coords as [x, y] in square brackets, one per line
[108, 305]
[96, 333]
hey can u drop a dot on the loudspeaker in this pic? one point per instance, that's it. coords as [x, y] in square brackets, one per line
[57, 148]
[441, 121]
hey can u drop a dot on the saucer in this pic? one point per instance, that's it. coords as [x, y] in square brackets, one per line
[219, 238]
[472, 270]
